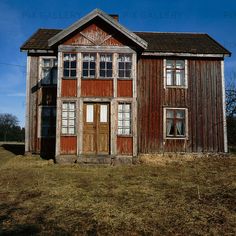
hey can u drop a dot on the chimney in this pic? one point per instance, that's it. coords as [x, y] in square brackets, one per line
[115, 17]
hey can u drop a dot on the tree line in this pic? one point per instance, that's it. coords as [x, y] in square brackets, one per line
[10, 129]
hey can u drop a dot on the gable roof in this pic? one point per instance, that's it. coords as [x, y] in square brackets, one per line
[157, 42]
[105, 17]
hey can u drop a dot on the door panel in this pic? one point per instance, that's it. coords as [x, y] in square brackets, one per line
[96, 128]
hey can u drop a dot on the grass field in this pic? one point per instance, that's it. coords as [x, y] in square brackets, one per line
[185, 197]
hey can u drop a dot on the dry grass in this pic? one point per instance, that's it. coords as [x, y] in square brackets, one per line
[187, 197]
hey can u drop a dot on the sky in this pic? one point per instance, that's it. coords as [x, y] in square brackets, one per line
[19, 19]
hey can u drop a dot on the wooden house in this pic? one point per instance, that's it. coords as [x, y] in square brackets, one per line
[97, 91]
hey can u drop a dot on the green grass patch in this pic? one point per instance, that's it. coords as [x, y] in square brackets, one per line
[196, 197]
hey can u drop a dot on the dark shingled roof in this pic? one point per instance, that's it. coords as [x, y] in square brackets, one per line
[157, 42]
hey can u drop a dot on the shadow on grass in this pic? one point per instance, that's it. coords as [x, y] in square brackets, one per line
[17, 149]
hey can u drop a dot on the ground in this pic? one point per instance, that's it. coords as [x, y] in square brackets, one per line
[195, 196]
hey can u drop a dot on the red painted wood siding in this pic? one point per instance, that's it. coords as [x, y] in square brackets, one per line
[124, 88]
[125, 145]
[69, 87]
[202, 98]
[96, 88]
[68, 145]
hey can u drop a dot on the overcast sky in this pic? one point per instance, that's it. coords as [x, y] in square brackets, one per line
[19, 19]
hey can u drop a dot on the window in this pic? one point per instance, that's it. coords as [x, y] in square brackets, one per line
[89, 65]
[175, 73]
[175, 123]
[69, 69]
[125, 65]
[68, 118]
[124, 119]
[48, 122]
[49, 71]
[106, 65]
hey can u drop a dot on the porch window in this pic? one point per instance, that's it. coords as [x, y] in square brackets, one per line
[89, 65]
[125, 65]
[68, 118]
[175, 73]
[48, 122]
[106, 65]
[49, 71]
[124, 119]
[175, 123]
[69, 65]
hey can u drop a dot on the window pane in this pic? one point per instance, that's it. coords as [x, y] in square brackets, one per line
[180, 114]
[46, 62]
[71, 106]
[180, 64]
[170, 127]
[102, 65]
[170, 114]
[73, 73]
[180, 127]
[109, 73]
[64, 122]
[64, 114]
[109, 65]
[121, 73]
[64, 130]
[121, 65]
[85, 73]
[103, 113]
[102, 73]
[73, 64]
[71, 130]
[92, 65]
[66, 73]
[180, 77]
[66, 64]
[170, 64]
[92, 73]
[89, 113]
[71, 122]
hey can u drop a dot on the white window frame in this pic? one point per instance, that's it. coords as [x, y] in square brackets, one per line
[69, 68]
[41, 67]
[68, 118]
[165, 119]
[132, 65]
[130, 120]
[106, 70]
[185, 86]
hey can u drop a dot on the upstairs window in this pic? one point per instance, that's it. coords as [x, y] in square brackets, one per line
[175, 73]
[106, 65]
[48, 122]
[68, 118]
[175, 123]
[124, 119]
[125, 65]
[69, 65]
[89, 65]
[49, 71]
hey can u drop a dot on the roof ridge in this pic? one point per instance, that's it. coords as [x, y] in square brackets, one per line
[157, 32]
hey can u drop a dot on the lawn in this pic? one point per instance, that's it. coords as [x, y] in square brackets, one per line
[168, 197]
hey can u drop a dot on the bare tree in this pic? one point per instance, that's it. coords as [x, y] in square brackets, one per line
[7, 122]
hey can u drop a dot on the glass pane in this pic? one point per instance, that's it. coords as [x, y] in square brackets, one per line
[89, 113]
[65, 105]
[180, 114]
[85, 73]
[126, 131]
[66, 73]
[170, 128]
[120, 123]
[102, 73]
[121, 73]
[120, 107]
[170, 64]
[180, 64]
[129, 65]
[71, 114]
[72, 106]
[72, 57]
[73, 73]
[66, 64]
[92, 73]
[109, 65]
[73, 64]
[127, 73]
[64, 122]
[119, 131]
[169, 78]
[64, 114]
[180, 77]
[66, 57]
[170, 114]
[102, 65]
[54, 75]
[64, 130]
[127, 107]
[92, 65]
[121, 65]
[71, 130]
[71, 122]
[180, 127]
[46, 62]
[109, 73]
[103, 113]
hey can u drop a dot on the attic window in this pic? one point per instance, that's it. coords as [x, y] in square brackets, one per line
[125, 65]
[89, 65]
[69, 69]
[175, 73]
[49, 71]
[106, 65]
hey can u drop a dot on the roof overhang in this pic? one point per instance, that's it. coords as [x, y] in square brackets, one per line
[170, 54]
[106, 18]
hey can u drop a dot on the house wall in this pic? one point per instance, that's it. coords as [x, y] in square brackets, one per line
[202, 98]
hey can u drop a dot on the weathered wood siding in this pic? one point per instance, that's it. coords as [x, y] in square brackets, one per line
[124, 145]
[96, 88]
[69, 87]
[33, 101]
[68, 145]
[202, 98]
[124, 88]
